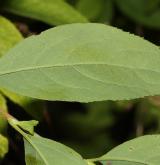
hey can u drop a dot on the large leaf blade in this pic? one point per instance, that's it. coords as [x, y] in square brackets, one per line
[98, 62]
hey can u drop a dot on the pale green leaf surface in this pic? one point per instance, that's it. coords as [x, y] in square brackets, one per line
[9, 35]
[143, 12]
[82, 62]
[3, 121]
[144, 150]
[42, 151]
[53, 12]
[3, 146]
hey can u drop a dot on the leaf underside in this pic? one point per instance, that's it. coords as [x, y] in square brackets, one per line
[82, 62]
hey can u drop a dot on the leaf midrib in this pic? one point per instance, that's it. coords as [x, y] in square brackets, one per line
[38, 151]
[59, 152]
[70, 65]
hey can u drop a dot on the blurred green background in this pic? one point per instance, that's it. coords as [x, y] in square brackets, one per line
[91, 129]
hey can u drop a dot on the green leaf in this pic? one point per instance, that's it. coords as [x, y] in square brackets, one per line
[100, 10]
[152, 5]
[141, 11]
[53, 12]
[90, 11]
[144, 150]
[9, 35]
[3, 146]
[39, 150]
[3, 121]
[42, 151]
[23, 126]
[107, 13]
[28, 126]
[82, 62]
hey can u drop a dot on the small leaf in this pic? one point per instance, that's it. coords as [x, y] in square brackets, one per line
[98, 62]
[53, 12]
[144, 150]
[9, 35]
[28, 126]
[3, 146]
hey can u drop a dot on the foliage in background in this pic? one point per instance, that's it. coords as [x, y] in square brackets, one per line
[94, 128]
[53, 12]
[99, 11]
[145, 12]
[9, 35]
[4, 146]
